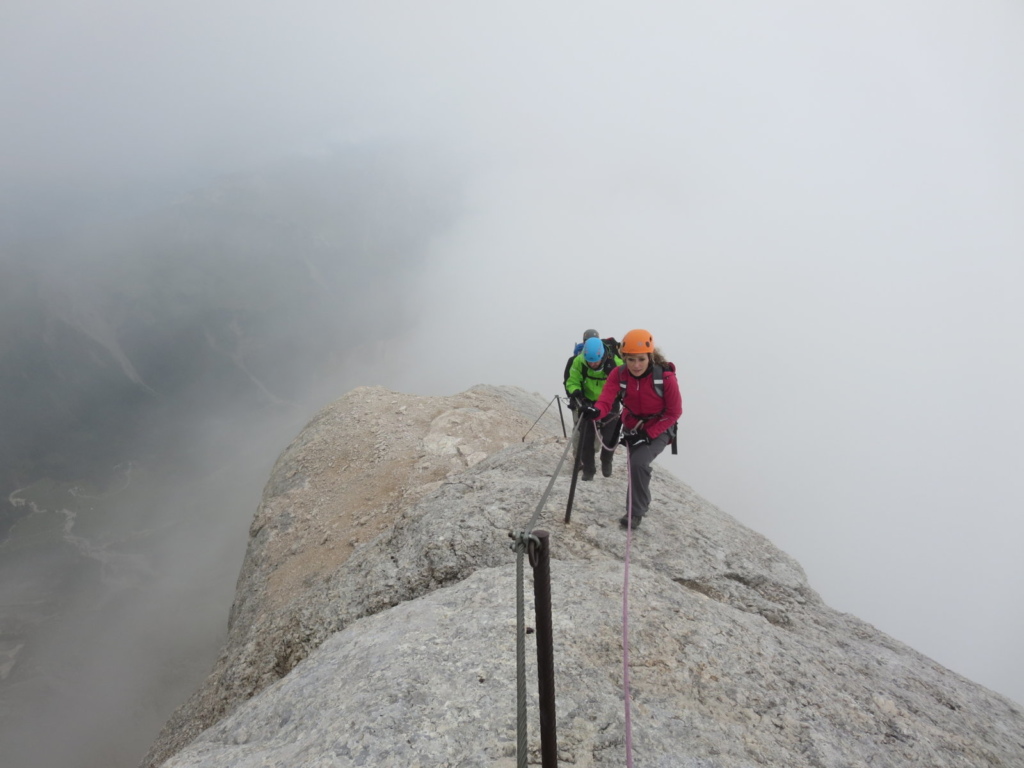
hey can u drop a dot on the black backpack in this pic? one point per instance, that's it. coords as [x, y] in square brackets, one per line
[568, 365]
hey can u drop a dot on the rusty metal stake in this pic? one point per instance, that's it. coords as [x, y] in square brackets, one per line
[540, 559]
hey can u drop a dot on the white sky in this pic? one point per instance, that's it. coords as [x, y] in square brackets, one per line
[814, 207]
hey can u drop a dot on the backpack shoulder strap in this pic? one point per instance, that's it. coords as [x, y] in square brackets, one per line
[657, 377]
[658, 374]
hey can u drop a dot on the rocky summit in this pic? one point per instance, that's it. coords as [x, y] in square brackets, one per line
[375, 619]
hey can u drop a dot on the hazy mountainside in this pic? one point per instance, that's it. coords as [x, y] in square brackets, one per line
[243, 295]
[374, 621]
[150, 370]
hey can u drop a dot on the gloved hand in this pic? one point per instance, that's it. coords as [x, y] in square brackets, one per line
[635, 438]
[574, 401]
[588, 411]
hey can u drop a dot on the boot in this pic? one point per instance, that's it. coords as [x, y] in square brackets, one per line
[606, 465]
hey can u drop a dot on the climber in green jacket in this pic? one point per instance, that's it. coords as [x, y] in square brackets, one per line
[587, 376]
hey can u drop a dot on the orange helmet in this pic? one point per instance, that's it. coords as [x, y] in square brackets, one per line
[637, 342]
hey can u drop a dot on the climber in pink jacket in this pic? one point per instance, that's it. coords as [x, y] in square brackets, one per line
[651, 405]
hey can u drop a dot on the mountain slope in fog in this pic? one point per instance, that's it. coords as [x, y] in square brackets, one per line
[243, 295]
[149, 371]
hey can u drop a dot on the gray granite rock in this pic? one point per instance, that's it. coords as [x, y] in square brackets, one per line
[399, 649]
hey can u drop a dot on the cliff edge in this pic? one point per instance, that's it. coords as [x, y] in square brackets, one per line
[374, 620]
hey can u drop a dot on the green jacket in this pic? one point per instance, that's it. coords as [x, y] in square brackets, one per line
[584, 378]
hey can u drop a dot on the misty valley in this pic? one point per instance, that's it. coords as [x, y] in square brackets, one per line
[151, 370]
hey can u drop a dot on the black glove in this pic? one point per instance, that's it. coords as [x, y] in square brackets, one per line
[574, 401]
[635, 438]
[588, 411]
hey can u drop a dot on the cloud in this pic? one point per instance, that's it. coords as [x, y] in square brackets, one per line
[815, 209]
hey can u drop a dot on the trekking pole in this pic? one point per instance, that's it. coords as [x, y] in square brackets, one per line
[576, 470]
[539, 550]
[539, 418]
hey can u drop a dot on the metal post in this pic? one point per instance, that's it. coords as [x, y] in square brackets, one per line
[561, 418]
[540, 559]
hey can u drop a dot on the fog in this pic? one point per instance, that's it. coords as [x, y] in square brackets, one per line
[814, 209]
[152, 369]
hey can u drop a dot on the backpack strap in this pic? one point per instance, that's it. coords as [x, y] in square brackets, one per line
[658, 372]
[607, 366]
[659, 380]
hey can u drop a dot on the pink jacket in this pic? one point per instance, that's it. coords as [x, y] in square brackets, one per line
[641, 403]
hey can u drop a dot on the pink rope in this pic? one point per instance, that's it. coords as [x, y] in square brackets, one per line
[627, 695]
[597, 436]
[625, 615]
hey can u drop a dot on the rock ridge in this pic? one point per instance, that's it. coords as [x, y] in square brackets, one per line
[373, 623]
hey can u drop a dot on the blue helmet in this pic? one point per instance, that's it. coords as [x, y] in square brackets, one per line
[593, 350]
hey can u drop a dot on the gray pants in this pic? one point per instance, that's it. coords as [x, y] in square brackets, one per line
[640, 459]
